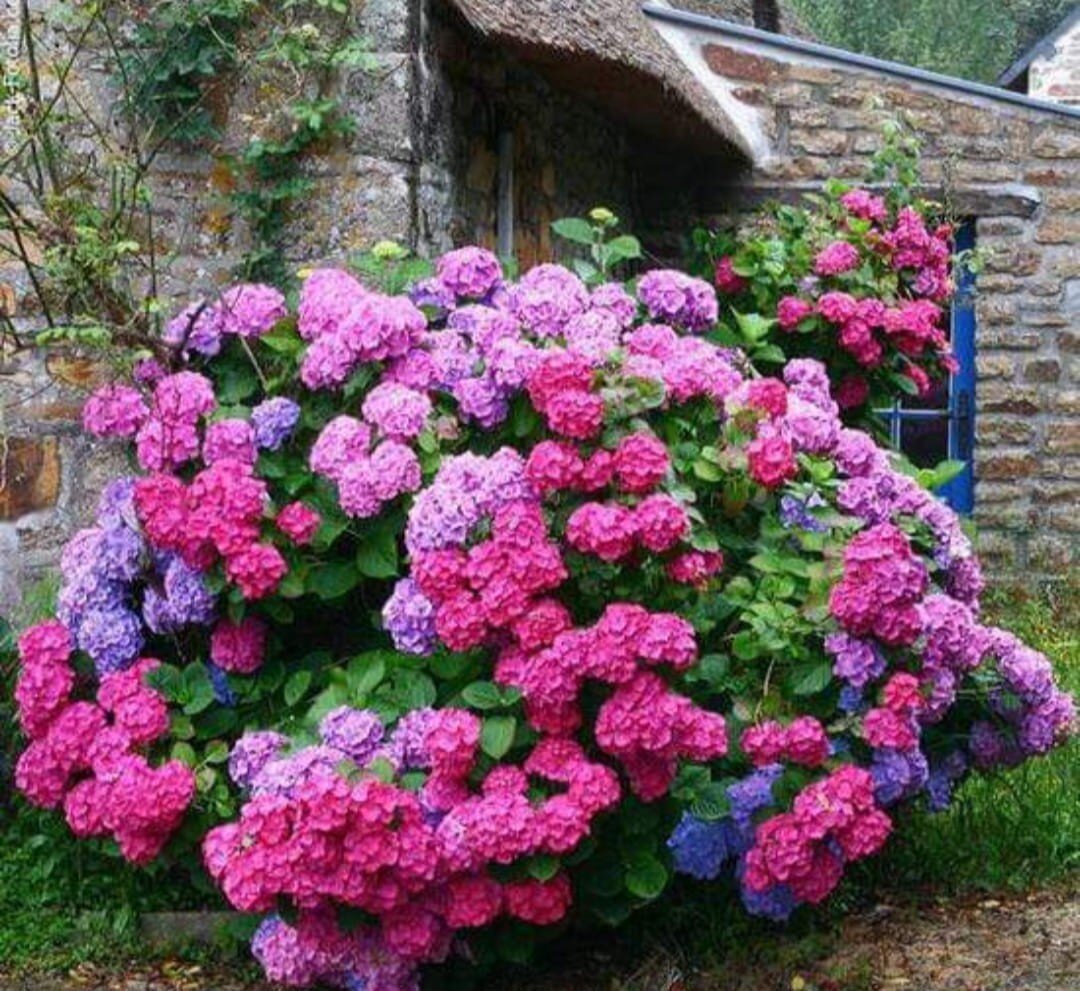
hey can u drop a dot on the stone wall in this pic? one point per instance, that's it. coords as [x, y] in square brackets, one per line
[1055, 75]
[1016, 170]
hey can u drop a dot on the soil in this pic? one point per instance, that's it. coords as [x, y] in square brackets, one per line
[1013, 943]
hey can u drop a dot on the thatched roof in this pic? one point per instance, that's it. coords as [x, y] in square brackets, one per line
[607, 51]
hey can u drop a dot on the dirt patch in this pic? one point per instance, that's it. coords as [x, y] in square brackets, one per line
[1018, 943]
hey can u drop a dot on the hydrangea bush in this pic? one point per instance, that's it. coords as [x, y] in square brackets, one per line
[426, 619]
[858, 279]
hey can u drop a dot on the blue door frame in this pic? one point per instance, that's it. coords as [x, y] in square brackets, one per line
[949, 420]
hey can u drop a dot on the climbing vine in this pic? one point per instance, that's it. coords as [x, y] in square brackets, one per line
[253, 85]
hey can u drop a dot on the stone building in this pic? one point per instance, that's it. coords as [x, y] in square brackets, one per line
[1050, 69]
[491, 118]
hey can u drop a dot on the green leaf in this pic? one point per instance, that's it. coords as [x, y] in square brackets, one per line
[753, 326]
[217, 722]
[497, 736]
[707, 471]
[216, 753]
[812, 679]
[415, 689]
[283, 339]
[378, 555]
[711, 802]
[181, 727]
[623, 248]
[333, 580]
[574, 229]
[482, 695]
[543, 867]
[364, 674]
[237, 384]
[646, 877]
[297, 684]
[714, 668]
[198, 689]
[185, 753]
[745, 645]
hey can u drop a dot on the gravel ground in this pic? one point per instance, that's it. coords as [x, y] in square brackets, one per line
[1023, 943]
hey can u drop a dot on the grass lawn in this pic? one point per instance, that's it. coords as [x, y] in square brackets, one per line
[63, 903]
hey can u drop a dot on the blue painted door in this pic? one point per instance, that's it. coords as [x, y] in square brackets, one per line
[941, 426]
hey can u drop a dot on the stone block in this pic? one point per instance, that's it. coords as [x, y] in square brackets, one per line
[1059, 229]
[1063, 437]
[995, 366]
[820, 142]
[1042, 370]
[30, 474]
[993, 466]
[1007, 516]
[1056, 143]
[745, 66]
[1066, 401]
[1005, 397]
[1016, 259]
[996, 430]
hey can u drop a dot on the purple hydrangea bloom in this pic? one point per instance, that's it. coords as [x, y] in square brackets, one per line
[432, 294]
[469, 273]
[795, 513]
[409, 618]
[851, 700]
[898, 774]
[121, 551]
[1027, 672]
[467, 489]
[547, 298]
[1041, 726]
[397, 411]
[810, 429]
[252, 752]
[856, 661]
[612, 298]
[484, 326]
[112, 637]
[251, 309]
[510, 362]
[357, 733]
[192, 603]
[775, 903]
[282, 775]
[939, 784]
[274, 421]
[752, 794]
[198, 327]
[857, 455]
[116, 506]
[452, 356]
[964, 580]
[808, 378]
[679, 299]
[700, 848]
[482, 400]
[408, 743]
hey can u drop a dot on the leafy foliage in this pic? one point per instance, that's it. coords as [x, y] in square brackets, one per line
[976, 39]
